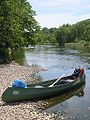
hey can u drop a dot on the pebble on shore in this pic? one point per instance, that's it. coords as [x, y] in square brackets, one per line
[20, 110]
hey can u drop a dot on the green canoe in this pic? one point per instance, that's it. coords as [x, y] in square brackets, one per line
[43, 89]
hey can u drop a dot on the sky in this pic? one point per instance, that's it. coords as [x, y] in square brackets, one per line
[55, 13]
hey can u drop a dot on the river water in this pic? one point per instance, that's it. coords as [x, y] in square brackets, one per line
[75, 104]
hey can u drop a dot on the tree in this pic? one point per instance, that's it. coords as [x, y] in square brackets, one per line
[80, 31]
[30, 26]
[5, 32]
[17, 27]
[62, 35]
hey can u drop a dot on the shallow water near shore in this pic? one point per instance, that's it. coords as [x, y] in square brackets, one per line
[75, 104]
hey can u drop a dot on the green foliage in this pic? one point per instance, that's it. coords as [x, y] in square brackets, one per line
[81, 31]
[17, 26]
[46, 36]
[5, 56]
[62, 35]
[66, 34]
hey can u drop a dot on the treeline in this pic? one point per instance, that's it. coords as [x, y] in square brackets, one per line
[65, 34]
[17, 27]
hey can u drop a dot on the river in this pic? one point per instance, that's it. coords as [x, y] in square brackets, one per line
[58, 61]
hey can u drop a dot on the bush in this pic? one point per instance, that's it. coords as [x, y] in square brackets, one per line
[5, 56]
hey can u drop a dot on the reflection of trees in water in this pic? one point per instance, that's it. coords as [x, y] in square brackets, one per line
[62, 97]
[19, 56]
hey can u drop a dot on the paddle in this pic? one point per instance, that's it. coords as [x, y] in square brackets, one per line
[56, 80]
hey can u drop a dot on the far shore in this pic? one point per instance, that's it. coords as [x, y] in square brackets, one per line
[78, 45]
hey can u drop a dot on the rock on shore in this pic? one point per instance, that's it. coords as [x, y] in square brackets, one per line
[20, 110]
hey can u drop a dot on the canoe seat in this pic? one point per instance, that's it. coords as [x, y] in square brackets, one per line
[38, 86]
[69, 80]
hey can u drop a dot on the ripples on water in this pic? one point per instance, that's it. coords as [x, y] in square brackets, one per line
[52, 58]
[56, 60]
[59, 61]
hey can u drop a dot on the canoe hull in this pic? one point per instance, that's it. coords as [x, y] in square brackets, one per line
[21, 94]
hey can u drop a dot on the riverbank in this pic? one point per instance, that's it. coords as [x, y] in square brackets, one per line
[29, 110]
[79, 45]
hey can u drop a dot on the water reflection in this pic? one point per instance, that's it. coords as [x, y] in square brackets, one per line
[62, 97]
[19, 56]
